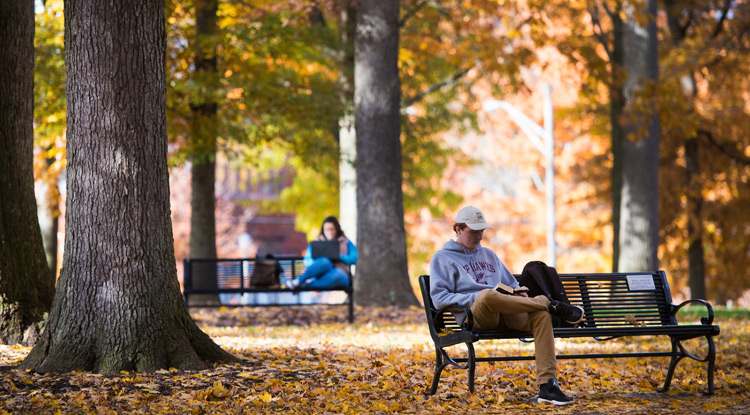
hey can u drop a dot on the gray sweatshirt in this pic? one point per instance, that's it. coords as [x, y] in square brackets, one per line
[458, 274]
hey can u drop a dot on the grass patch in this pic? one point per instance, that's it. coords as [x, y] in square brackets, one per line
[720, 312]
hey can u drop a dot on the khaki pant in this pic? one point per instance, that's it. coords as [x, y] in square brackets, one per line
[493, 310]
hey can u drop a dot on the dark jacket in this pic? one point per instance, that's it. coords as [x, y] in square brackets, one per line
[542, 279]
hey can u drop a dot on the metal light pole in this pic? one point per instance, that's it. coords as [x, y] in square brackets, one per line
[543, 139]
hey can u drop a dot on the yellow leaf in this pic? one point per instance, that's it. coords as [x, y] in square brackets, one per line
[219, 391]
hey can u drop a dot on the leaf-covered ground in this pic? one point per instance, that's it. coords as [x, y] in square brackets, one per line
[308, 360]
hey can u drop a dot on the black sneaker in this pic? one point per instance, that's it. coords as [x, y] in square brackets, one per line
[573, 314]
[550, 392]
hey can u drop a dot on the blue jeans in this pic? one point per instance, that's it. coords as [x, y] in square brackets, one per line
[322, 274]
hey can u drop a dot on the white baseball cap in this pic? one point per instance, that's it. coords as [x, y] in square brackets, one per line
[473, 218]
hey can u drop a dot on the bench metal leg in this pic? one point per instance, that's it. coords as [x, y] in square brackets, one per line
[472, 366]
[351, 309]
[439, 366]
[442, 360]
[711, 357]
[679, 353]
[672, 364]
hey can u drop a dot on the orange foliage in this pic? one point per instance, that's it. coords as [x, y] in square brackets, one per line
[502, 182]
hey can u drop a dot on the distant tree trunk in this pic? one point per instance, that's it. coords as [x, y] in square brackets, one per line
[347, 134]
[696, 258]
[26, 288]
[203, 132]
[639, 206]
[617, 106]
[49, 223]
[49, 226]
[118, 305]
[382, 275]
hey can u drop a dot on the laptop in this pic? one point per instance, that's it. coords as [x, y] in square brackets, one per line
[328, 249]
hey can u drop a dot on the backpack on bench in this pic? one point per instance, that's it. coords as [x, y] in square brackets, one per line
[542, 279]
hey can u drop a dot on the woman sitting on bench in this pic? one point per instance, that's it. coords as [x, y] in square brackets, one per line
[325, 272]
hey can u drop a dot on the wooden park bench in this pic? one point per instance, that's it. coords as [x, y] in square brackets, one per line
[615, 305]
[232, 276]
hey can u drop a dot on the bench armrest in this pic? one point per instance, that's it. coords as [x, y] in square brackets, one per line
[469, 321]
[704, 320]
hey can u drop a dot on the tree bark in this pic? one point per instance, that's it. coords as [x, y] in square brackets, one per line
[118, 305]
[26, 288]
[639, 205]
[203, 132]
[382, 275]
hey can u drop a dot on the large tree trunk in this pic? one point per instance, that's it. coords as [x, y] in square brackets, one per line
[118, 305]
[382, 275]
[26, 287]
[203, 132]
[639, 205]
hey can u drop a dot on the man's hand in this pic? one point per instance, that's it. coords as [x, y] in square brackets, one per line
[522, 294]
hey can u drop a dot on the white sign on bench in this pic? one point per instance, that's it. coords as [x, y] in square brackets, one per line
[641, 283]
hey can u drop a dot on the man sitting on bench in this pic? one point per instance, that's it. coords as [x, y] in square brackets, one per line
[465, 274]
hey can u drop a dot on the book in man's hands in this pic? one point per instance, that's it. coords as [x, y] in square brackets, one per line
[507, 289]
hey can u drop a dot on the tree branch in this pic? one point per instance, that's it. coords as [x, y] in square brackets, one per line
[410, 13]
[599, 34]
[720, 24]
[450, 81]
[730, 152]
